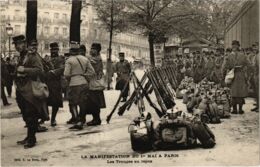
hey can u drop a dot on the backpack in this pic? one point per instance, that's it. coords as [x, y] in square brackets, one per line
[213, 113]
[204, 134]
[141, 134]
[174, 134]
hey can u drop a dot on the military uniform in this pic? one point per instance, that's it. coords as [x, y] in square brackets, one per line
[123, 70]
[53, 80]
[30, 68]
[4, 76]
[237, 61]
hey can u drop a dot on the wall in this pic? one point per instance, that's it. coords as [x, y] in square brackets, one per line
[245, 25]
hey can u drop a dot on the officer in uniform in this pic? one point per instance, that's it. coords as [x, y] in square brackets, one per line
[29, 68]
[54, 81]
[123, 70]
[237, 61]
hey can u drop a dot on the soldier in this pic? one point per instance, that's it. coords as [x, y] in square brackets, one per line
[256, 75]
[238, 62]
[96, 98]
[123, 70]
[78, 71]
[54, 81]
[29, 68]
[11, 68]
[4, 80]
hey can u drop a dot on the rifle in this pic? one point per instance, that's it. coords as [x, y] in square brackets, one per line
[119, 98]
[166, 96]
[159, 112]
[129, 102]
[156, 91]
[140, 101]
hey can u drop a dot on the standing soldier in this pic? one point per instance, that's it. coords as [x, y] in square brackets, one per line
[123, 70]
[29, 68]
[54, 81]
[256, 75]
[4, 78]
[78, 71]
[11, 68]
[238, 62]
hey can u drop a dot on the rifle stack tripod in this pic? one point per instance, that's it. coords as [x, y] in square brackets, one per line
[160, 80]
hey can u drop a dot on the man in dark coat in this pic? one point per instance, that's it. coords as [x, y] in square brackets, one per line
[4, 78]
[29, 69]
[238, 62]
[123, 70]
[53, 81]
[11, 68]
[256, 75]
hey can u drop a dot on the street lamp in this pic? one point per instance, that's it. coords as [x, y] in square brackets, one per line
[9, 31]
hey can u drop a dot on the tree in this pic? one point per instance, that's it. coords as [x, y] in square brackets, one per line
[111, 15]
[158, 18]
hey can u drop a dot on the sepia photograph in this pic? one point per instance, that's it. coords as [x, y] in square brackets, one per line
[129, 83]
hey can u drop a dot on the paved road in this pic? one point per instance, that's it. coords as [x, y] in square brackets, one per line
[237, 141]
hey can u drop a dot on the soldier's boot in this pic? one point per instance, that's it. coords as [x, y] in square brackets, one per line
[234, 109]
[96, 119]
[74, 114]
[32, 128]
[241, 109]
[53, 116]
[22, 142]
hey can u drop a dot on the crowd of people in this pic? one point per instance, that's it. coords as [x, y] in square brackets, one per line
[40, 83]
[214, 65]
[80, 75]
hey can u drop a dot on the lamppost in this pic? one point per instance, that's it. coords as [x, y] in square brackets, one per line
[9, 31]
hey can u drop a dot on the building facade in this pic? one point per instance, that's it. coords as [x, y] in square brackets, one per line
[53, 23]
[245, 25]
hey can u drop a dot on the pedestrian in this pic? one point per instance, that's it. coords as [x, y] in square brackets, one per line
[78, 71]
[237, 61]
[256, 75]
[53, 80]
[30, 68]
[96, 85]
[11, 68]
[123, 70]
[4, 80]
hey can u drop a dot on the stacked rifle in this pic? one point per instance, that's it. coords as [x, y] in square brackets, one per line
[162, 81]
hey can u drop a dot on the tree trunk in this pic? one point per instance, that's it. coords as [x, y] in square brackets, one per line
[151, 42]
[75, 21]
[109, 63]
[31, 23]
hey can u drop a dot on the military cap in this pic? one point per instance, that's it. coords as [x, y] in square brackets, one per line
[66, 54]
[228, 50]
[96, 46]
[121, 54]
[18, 38]
[33, 42]
[82, 48]
[235, 42]
[54, 45]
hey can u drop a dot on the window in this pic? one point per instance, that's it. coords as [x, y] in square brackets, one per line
[65, 31]
[83, 32]
[64, 44]
[17, 29]
[56, 15]
[47, 30]
[64, 16]
[56, 30]
[46, 46]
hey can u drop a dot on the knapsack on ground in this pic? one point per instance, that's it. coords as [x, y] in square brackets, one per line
[141, 134]
[173, 134]
[204, 134]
